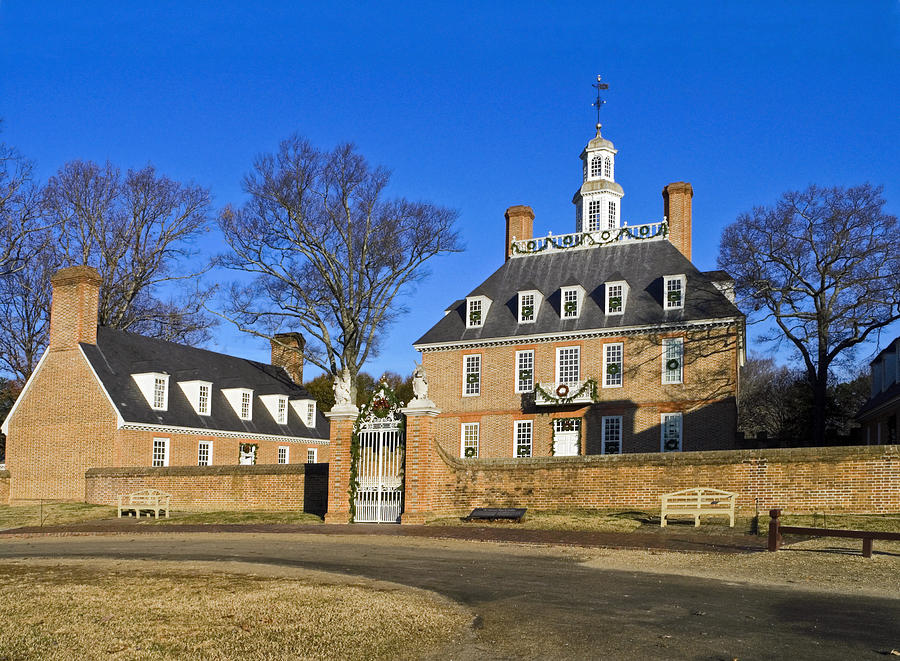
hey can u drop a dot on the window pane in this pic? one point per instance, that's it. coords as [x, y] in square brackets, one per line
[570, 303]
[673, 360]
[612, 365]
[568, 365]
[524, 371]
[523, 438]
[671, 432]
[470, 439]
[612, 434]
[526, 307]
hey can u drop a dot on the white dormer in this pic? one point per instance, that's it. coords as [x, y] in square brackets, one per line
[529, 305]
[154, 386]
[277, 407]
[199, 394]
[571, 301]
[241, 400]
[476, 310]
[616, 297]
[673, 291]
[306, 409]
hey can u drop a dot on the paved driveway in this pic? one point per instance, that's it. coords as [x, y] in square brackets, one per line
[535, 605]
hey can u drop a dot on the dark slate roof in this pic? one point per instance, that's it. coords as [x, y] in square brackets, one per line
[892, 394]
[718, 276]
[642, 264]
[117, 355]
[890, 348]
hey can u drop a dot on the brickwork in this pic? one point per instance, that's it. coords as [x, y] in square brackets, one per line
[4, 487]
[706, 397]
[301, 487]
[677, 208]
[519, 226]
[839, 479]
[339, 467]
[423, 466]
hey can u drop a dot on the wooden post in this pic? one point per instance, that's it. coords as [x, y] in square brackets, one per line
[774, 532]
[867, 547]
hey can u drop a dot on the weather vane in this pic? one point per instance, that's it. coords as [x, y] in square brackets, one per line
[599, 102]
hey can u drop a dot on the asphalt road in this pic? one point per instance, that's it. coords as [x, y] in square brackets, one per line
[538, 606]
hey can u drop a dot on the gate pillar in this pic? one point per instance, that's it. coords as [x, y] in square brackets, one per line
[420, 474]
[342, 420]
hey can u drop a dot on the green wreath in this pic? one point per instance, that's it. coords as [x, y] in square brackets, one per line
[571, 306]
[672, 364]
[615, 302]
[525, 375]
[671, 444]
[527, 311]
[472, 378]
[674, 296]
[474, 318]
[470, 452]
[612, 368]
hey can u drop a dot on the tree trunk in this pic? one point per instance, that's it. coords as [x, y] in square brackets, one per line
[820, 395]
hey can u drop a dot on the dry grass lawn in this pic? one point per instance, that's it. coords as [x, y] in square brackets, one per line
[52, 514]
[76, 611]
[248, 517]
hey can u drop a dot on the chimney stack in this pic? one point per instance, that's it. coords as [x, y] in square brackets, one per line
[677, 208]
[74, 307]
[519, 224]
[287, 352]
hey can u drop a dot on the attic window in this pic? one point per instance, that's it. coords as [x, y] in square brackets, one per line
[571, 301]
[476, 310]
[529, 302]
[203, 399]
[673, 291]
[246, 399]
[310, 414]
[305, 410]
[616, 293]
[241, 400]
[154, 386]
[281, 415]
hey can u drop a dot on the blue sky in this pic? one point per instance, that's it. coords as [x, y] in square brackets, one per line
[475, 106]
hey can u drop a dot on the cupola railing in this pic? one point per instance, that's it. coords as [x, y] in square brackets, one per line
[584, 240]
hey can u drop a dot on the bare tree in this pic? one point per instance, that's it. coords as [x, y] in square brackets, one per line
[822, 265]
[138, 230]
[20, 211]
[24, 315]
[329, 252]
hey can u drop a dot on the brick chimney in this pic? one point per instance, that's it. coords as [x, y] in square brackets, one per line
[74, 307]
[519, 225]
[287, 352]
[677, 208]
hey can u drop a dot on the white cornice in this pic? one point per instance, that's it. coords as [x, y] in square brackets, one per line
[219, 433]
[575, 335]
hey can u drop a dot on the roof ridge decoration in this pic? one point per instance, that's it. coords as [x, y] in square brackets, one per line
[583, 240]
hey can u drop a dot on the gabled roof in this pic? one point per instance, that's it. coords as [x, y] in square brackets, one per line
[885, 397]
[641, 263]
[117, 355]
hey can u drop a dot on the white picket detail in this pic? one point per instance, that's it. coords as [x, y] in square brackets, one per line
[379, 496]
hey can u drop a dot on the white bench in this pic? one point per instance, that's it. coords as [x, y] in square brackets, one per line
[697, 501]
[152, 500]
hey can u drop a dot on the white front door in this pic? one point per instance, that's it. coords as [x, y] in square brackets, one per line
[565, 443]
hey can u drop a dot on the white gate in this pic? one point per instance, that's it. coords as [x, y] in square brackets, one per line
[379, 467]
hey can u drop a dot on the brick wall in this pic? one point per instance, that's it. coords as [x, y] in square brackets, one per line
[848, 479]
[300, 487]
[706, 397]
[4, 487]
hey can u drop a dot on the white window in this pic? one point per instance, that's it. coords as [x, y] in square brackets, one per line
[596, 166]
[159, 393]
[241, 401]
[203, 400]
[475, 316]
[594, 207]
[611, 220]
[160, 452]
[310, 414]
[612, 365]
[472, 375]
[312, 455]
[284, 454]
[674, 292]
[570, 303]
[607, 168]
[615, 298]
[523, 438]
[671, 432]
[282, 415]
[468, 440]
[246, 399]
[526, 308]
[611, 434]
[673, 359]
[204, 453]
[524, 371]
[568, 365]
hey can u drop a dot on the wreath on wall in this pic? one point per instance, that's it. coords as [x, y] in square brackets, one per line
[472, 378]
[474, 318]
[562, 390]
[674, 297]
[470, 452]
[615, 303]
[671, 445]
[672, 364]
[613, 368]
[571, 306]
[527, 311]
[564, 395]
[248, 448]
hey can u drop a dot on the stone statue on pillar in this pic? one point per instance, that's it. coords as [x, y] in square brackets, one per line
[342, 403]
[420, 390]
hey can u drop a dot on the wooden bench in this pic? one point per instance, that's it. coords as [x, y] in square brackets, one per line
[495, 513]
[696, 502]
[151, 500]
[776, 530]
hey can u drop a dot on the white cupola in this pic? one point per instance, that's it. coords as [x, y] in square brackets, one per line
[598, 201]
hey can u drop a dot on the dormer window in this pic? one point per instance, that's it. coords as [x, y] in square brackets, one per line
[154, 386]
[571, 299]
[476, 311]
[281, 413]
[305, 410]
[615, 297]
[673, 292]
[241, 400]
[199, 394]
[529, 302]
[310, 418]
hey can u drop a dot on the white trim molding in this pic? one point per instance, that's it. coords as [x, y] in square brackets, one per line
[218, 433]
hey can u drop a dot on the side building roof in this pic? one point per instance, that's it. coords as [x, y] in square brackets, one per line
[118, 354]
[642, 264]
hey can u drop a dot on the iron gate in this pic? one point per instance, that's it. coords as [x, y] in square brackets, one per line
[379, 467]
